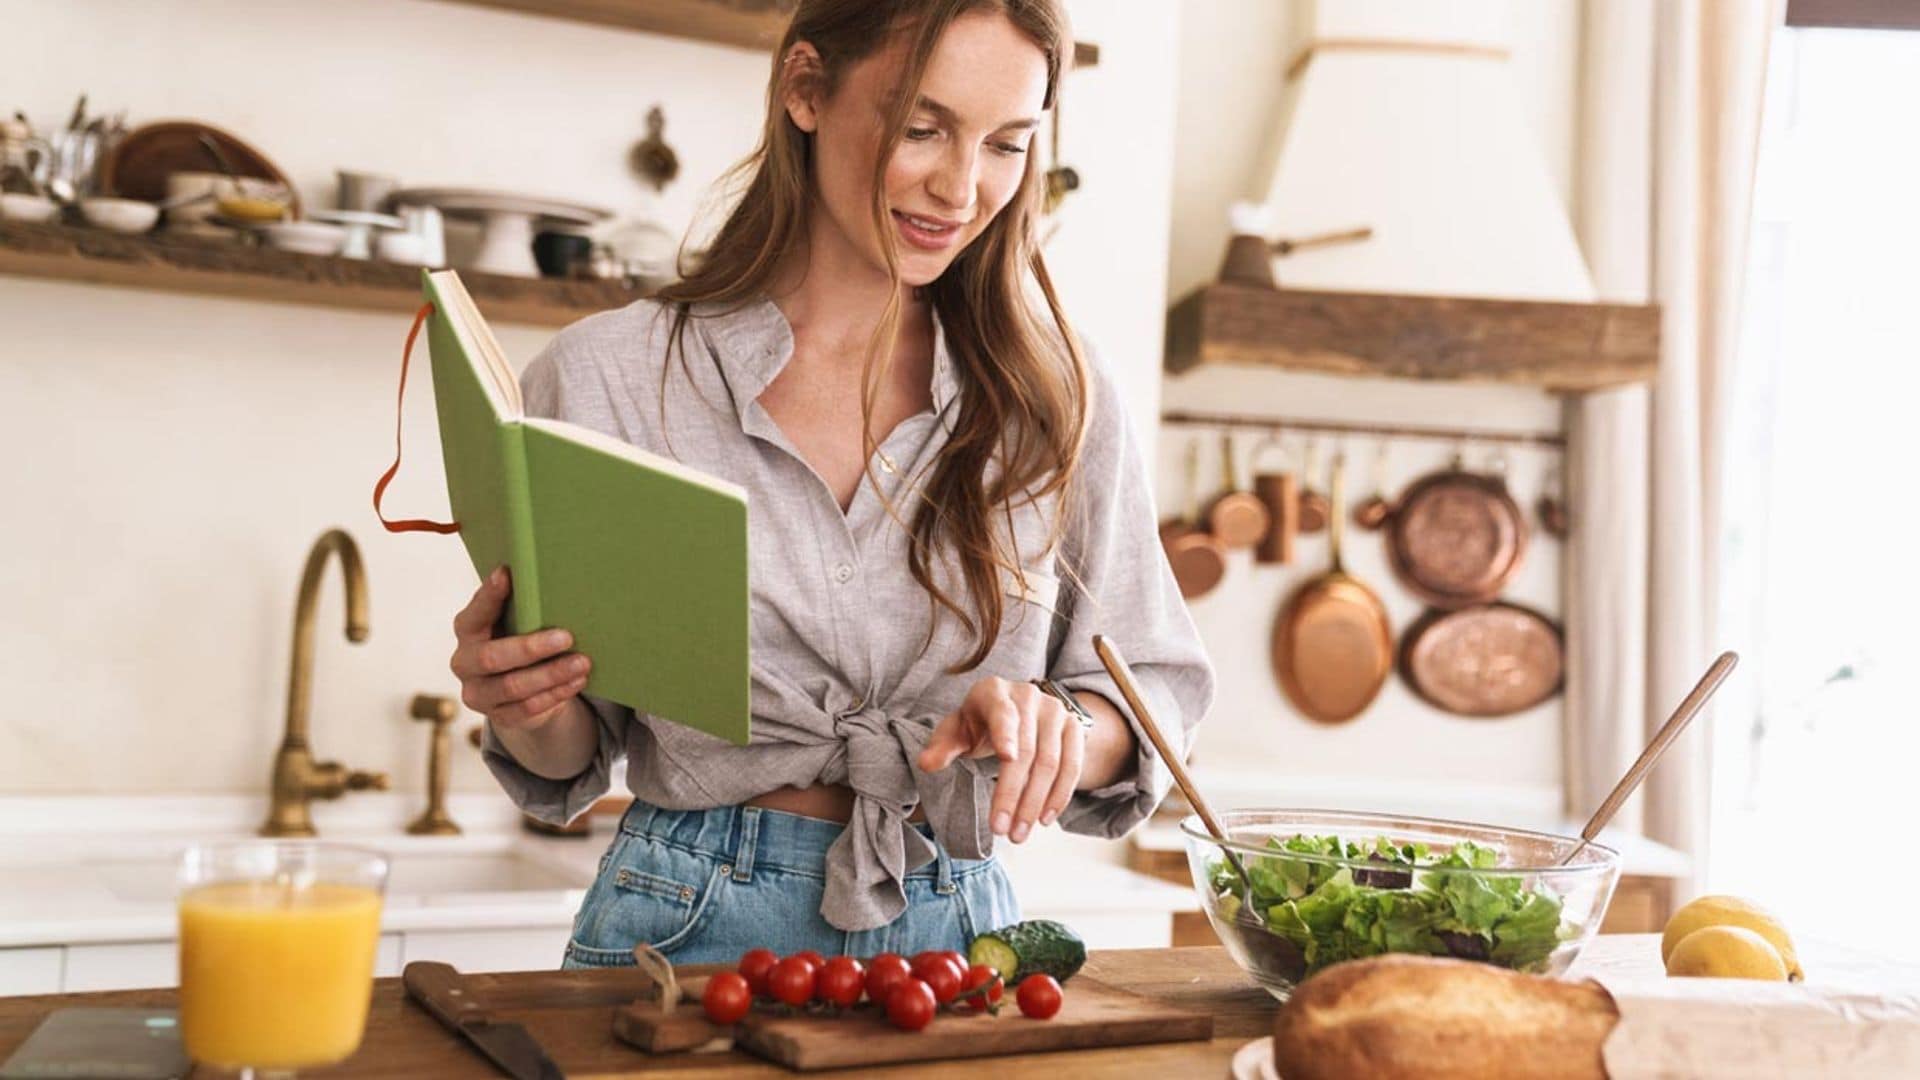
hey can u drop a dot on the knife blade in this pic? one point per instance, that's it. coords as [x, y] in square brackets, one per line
[437, 987]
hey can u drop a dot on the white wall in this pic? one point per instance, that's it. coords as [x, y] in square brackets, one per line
[169, 458]
[1401, 753]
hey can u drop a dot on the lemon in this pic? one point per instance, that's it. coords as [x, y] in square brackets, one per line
[1729, 911]
[1727, 952]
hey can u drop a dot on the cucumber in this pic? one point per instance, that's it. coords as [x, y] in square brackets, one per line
[1036, 946]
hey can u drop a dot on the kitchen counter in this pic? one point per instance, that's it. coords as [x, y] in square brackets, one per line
[569, 1012]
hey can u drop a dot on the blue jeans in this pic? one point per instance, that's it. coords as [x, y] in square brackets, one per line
[704, 886]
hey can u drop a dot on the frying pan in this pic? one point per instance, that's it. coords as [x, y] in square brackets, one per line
[1198, 558]
[1332, 648]
[1238, 519]
[1488, 660]
[1456, 538]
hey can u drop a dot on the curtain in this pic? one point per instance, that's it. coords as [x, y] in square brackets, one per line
[1641, 584]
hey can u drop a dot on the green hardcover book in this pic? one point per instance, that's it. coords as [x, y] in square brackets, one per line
[643, 559]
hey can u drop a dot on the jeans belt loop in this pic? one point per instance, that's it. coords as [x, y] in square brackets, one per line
[749, 839]
[943, 881]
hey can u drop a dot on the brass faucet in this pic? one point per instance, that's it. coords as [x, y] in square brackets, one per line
[297, 778]
[440, 712]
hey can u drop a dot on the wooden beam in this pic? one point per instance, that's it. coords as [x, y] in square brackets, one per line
[1558, 346]
[745, 24]
[201, 267]
[1854, 14]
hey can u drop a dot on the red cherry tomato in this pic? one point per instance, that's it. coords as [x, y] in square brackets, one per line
[728, 998]
[983, 989]
[841, 982]
[910, 1007]
[754, 965]
[885, 972]
[792, 980]
[959, 958]
[941, 974]
[1039, 996]
[818, 960]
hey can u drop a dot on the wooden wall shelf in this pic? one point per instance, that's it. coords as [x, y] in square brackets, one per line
[1557, 346]
[155, 261]
[746, 24]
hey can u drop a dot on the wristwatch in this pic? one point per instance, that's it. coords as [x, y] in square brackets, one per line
[1074, 708]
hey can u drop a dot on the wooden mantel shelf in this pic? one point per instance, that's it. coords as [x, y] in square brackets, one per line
[1557, 346]
[155, 261]
[746, 24]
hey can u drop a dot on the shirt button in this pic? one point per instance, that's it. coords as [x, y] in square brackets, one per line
[843, 573]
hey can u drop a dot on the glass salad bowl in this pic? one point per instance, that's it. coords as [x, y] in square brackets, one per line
[1322, 886]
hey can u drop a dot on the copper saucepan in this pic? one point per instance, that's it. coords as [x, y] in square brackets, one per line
[1280, 492]
[1198, 558]
[1488, 660]
[1332, 646]
[1238, 519]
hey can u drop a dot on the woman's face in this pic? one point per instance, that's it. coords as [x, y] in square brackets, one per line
[960, 161]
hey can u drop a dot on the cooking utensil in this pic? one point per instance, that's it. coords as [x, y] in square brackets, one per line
[1237, 518]
[1456, 538]
[437, 987]
[1313, 504]
[139, 164]
[1332, 645]
[1552, 506]
[1286, 246]
[1280, 493]
[1690, 707]
[1489, 660]
[1116, 666]
[1374, 510]
[1198, 559]
[651, 159]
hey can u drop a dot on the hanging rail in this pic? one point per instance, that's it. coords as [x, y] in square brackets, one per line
[1277, 424]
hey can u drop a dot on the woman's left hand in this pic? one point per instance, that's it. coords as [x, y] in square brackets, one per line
[1041, 748]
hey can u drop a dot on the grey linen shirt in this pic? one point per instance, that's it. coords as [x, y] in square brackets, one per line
[849, 669]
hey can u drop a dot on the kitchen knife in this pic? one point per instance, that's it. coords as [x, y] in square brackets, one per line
[437, 988]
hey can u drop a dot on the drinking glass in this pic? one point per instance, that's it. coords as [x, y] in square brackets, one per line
[277, 942]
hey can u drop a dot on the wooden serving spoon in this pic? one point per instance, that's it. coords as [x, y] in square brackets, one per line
[1669, 731]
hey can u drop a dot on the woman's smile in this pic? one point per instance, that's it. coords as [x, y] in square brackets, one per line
[927, 233]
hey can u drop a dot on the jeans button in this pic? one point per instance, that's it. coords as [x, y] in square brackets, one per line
[725, 870]
[686, 893]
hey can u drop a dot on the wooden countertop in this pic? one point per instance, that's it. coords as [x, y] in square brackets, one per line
[570, 1013]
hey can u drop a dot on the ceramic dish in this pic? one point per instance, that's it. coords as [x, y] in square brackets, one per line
[141, 163]
[305, 237]
[130, 216]
[19, 206]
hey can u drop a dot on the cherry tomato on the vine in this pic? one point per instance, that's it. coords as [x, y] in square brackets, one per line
[792, 980]
[910, 1006]
[941, 974]
[884, 972]
[754, 965]
[841, 982]
[983, 989]
[727, 998]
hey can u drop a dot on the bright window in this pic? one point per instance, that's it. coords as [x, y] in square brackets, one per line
[1817, 745]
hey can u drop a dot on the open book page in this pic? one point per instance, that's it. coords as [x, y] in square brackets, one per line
[478, 342]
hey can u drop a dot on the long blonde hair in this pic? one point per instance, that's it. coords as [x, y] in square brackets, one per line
[1024, 383]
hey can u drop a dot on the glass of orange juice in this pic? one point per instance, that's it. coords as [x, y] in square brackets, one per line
[277, 941]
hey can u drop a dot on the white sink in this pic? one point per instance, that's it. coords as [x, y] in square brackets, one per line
[441, 876]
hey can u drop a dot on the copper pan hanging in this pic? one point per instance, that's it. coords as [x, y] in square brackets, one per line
[1456, 538]
[1485, 661]
[1198, 558]
[1332, 645]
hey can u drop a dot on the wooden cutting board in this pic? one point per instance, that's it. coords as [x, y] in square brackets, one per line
[1092, 1014]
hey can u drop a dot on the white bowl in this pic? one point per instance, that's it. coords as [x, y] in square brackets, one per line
[19, 206]
[406, 249]
[306, 237]
[129, 216]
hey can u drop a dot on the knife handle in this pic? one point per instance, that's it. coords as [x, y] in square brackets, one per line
[436, 987]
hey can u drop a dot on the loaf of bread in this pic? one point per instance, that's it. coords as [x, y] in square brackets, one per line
[1414, 1016]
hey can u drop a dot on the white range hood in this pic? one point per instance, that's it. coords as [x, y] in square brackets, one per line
[1404, 116]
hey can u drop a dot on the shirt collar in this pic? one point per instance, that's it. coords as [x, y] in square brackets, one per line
[754, 341]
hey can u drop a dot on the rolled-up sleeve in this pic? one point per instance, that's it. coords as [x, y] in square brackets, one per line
[1119, 585]
[560, 801]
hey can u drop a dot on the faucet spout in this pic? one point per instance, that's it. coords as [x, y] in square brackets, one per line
[297, 779]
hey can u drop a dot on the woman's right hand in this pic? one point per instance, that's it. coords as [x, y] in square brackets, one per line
[520, 682]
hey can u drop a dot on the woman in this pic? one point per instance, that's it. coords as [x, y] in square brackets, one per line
[870, 347]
